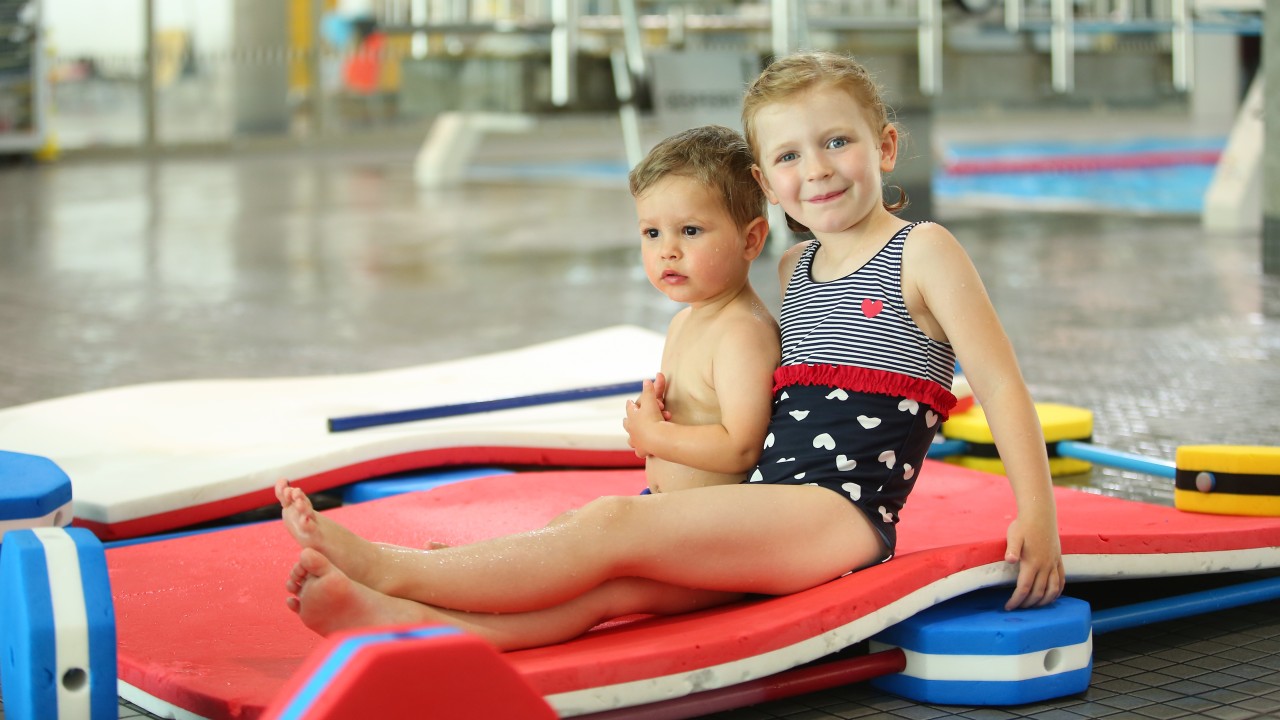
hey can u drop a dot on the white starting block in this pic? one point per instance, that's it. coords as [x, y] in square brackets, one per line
[454, 136]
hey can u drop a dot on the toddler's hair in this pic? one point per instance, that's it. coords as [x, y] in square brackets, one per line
[793, 74]
[714, 156]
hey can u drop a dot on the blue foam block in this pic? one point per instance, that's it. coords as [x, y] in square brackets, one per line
[412, 482]
[58, 638]
[31, 488]
[970, 651]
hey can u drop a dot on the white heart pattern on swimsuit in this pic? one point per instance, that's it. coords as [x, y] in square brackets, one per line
[930, 418]
[908, 472]
[768, 441]
[756, 476]
[838, 394]
[845, 464]
[799, 414]
[885, 514]
[888, 457]
[854, 490]
[909, 405]
[824, 441]
[868, 422]
[800, 476]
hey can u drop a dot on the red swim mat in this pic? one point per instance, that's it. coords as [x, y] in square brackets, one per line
[202, 624]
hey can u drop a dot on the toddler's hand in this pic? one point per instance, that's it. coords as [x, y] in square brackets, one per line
[660, 393]
[643, 412]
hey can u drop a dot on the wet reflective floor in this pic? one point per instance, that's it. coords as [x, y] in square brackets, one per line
[281, 261]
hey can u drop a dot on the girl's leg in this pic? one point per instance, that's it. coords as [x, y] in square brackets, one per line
[355, 556]
[328, 601]
[772, 539]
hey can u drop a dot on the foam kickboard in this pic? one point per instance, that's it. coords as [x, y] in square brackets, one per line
[215, 601]
[57, 639]
[151, 458]
[34, 492]
[365, 674]
[971, 651]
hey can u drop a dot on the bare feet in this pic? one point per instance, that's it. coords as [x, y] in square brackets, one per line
[352, 554]
[327, 600]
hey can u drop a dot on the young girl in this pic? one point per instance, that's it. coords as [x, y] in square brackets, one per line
[822, 501]
[872, 309]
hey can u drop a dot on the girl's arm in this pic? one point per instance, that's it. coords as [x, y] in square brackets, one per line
[955, 303]
[742, 375]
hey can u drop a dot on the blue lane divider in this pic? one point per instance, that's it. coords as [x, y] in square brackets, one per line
[1117, 459]
[947, 448]
[1180, 606]
[356, 422]
[1080, 451]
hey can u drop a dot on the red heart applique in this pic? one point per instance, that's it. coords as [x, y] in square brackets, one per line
[872, 308]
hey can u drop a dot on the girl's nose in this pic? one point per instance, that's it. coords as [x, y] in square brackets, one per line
[817, 168]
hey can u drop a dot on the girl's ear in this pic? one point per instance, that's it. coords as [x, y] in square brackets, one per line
[755, 234]
[888, 148]
[758, 174]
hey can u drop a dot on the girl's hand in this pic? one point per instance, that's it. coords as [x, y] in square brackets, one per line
[1038, 551]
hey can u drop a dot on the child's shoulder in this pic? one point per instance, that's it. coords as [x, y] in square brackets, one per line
[790, 258]
[746, 317]
[793, 253]
[929, 230]
[930, 241]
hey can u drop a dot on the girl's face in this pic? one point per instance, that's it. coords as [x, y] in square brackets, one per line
[692, 249]
[822, 160]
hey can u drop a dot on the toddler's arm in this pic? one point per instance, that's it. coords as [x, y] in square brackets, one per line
[742, 375]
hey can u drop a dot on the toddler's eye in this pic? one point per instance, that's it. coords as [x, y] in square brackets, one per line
[691, 230]
[837, 143]
[649, 233]
[787, 157]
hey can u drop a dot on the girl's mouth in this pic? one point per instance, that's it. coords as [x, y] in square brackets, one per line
[826, 197]
[673, 277]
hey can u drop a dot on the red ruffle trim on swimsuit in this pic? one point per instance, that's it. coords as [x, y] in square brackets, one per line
[857, 379]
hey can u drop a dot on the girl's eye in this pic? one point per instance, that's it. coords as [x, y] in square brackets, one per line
[691, 231]
[837, 143]
[649, 233]
[787, 157]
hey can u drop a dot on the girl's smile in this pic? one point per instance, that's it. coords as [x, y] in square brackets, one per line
[817, 199]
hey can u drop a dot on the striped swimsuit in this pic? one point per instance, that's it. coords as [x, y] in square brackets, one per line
[861, 390]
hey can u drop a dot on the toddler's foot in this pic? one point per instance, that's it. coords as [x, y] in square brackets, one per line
[327, 600]
[351, 553]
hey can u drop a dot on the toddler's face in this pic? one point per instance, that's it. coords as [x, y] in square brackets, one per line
[692, 249]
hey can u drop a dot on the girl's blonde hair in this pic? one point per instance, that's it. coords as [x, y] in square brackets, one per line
[793, 74]
[715, 157]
